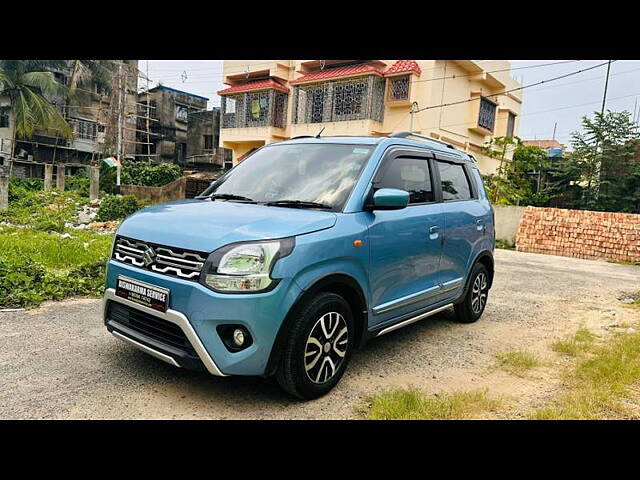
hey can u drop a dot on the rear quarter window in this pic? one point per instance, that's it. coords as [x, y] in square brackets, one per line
[482, 193]
[454, 181]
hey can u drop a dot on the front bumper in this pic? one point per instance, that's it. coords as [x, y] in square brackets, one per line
[157, 349]
[198, 311]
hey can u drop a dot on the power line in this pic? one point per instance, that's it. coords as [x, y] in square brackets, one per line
[506, 92]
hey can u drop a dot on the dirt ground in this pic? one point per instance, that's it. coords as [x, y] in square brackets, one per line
[58, 361]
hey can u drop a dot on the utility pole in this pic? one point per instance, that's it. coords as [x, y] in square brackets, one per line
[119, 129]
[604, 101]
[555, 125]
[606, 85]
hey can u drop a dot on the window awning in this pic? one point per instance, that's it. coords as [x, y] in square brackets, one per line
[329, 73]
[403, 66]
[265, 84]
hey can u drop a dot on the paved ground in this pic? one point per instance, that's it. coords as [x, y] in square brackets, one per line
[58, 361]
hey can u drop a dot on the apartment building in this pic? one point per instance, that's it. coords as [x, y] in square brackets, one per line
[93, 120]
[274, 100]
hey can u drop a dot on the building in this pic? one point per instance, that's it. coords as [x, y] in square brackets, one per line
[273, 100]
[553, 148]
[94, 122]
[203, 138]
[182, 130]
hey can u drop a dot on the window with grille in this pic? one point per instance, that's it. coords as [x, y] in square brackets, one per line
[208, 142]
[182, 113]
[348, 99]
[399, 88]
[511, 124]
[85, 130]
[257, 108]
[487, 117]
[4, 117]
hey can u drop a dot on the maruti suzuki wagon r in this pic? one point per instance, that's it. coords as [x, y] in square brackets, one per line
[300, 254]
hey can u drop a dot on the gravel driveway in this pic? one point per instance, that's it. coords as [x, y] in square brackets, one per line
[58, 361]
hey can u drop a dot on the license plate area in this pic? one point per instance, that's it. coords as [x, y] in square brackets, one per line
[142, 293]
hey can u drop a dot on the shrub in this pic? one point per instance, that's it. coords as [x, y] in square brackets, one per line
[150, 174]
[20, 282]
[145, 173]
[78, 183]
[45, 211]
[117, 207]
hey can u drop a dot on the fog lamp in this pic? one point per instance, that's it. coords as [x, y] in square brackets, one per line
[238, 337]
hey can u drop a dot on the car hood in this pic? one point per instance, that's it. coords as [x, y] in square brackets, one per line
[206, 225]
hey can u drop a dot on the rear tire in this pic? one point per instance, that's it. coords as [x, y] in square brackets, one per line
[318, 346]
[475, 300]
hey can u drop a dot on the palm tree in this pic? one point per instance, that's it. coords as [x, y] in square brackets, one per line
[84, 73]
[27, 83]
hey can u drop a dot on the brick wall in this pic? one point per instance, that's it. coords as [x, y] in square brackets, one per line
[580, 233]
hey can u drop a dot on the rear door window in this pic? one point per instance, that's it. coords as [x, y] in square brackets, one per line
[412, 175]
[454, 181]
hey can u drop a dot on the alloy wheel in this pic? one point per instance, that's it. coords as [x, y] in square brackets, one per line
[326, 347]
[479, 293]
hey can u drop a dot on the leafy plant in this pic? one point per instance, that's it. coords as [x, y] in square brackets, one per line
[145, 173]
[116, 207]
[78, 183]
[150, 174]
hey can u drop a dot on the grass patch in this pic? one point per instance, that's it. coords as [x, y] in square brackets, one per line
[37, 266]
[517, 362]
[413, 404]
[504, 244]
[573, 346]
[599, 383]
[52, 251]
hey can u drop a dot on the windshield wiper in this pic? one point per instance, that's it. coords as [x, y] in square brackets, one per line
[231, 196]
[298, 204]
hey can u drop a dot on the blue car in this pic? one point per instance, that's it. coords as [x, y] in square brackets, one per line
[301, 254]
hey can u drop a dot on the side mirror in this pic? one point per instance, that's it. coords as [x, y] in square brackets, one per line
[390, 199]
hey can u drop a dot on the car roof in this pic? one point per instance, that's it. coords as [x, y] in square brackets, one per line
[386, 141]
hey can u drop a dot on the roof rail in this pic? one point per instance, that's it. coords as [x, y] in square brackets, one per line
[406, 134]
[303, 136]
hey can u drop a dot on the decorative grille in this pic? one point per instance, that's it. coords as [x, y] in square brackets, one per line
[399, 88]
[254, 109]
[339, 100]
[487, 116]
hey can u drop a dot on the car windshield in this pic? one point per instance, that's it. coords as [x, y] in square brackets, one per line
[298, 176]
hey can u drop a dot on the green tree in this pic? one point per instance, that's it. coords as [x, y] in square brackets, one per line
[513, 182]
[605, 152]
[85, 74]
[27, 83]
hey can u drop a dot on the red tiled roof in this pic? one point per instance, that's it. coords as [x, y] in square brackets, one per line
[403, 66]
[255, 85]
[328, 73]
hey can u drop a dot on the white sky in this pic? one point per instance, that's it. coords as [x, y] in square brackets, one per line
[564, 101]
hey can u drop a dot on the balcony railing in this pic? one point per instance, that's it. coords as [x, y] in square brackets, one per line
[254, 109]
[339, 100]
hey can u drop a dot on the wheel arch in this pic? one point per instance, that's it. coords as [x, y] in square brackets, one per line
[486, 258]
[339, 283]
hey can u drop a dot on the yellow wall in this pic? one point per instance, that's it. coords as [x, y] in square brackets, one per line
[456, 123]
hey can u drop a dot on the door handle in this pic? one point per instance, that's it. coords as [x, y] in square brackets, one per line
[434, 232]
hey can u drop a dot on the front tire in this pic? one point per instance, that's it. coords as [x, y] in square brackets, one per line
[475, 300]
[318, 347]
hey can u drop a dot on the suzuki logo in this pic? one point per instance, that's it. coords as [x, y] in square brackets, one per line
[148, 256]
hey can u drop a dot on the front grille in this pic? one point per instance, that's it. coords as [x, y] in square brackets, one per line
[153, 327]
[172, 261]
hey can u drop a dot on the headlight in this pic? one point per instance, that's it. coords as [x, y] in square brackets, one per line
[245, 267]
